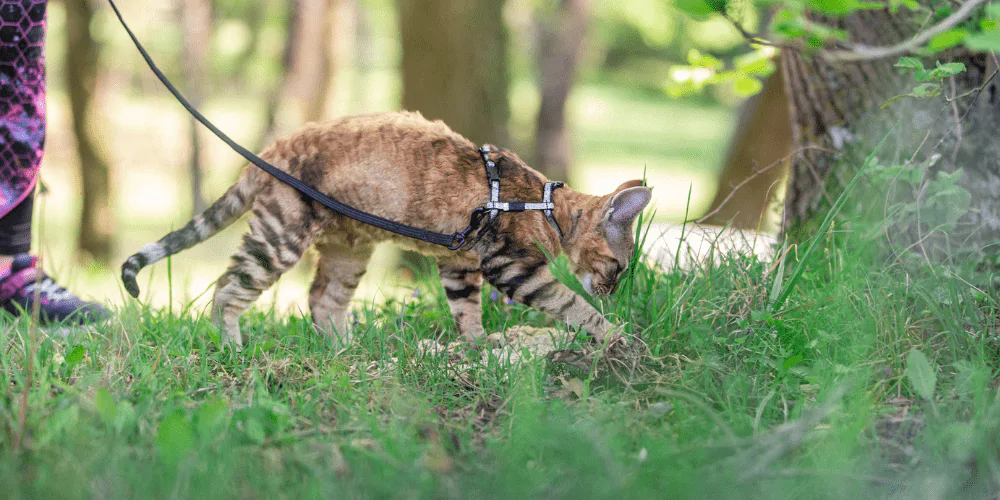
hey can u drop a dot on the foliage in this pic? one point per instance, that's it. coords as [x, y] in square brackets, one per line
[791, 26]
[737, 399]
[929, 88]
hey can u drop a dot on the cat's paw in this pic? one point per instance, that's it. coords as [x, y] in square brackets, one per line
[615, 336]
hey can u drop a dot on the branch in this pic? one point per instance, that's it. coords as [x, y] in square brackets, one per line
[750, 37]
[865, 53]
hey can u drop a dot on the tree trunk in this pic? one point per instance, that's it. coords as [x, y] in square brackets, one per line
[197, 16]
[756, 162]
[562, 34]
[301, 95]
[455, 65]
[455, 69]
[97, 219]
[841, 110]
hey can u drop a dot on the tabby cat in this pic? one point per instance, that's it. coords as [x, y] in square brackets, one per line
[405, 168]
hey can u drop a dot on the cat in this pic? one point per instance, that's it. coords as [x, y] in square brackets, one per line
[407, 169]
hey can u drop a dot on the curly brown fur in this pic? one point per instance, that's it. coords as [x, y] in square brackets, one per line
[404, 168]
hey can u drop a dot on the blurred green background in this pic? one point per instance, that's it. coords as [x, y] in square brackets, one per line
[621, 122]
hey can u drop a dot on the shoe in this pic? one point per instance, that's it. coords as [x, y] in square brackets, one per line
[24, 282]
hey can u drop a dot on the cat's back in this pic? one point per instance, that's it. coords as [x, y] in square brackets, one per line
[374, 134]
[397, 165]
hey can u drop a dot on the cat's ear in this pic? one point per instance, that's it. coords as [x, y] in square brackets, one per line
[627, 203]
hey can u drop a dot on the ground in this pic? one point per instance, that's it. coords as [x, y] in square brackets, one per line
[828, 373]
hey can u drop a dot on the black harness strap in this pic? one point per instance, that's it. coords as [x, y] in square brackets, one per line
[495, 206]
[452, 241]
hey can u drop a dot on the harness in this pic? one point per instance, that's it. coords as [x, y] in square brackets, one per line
[495, 206]
[453, 241]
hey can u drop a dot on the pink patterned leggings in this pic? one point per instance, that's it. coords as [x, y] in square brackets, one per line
[22, 117]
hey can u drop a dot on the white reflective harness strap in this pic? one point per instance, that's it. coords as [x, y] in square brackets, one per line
[495, 206]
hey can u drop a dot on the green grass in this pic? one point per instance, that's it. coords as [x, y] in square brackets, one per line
[824, 397]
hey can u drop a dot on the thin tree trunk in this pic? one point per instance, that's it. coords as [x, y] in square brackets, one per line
[455, 65]
[301, 95]
[455, 70]
[97, 219]
[755, 164]
[562, 35]
[197, 36]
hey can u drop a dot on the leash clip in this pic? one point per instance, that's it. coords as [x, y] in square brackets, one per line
[460, 238]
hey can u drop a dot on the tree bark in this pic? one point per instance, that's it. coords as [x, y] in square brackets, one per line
[562, 35]
[840, 110]
[455, 65]
[97, 219]
[197, 16]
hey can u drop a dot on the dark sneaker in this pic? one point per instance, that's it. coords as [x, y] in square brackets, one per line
[24, 282]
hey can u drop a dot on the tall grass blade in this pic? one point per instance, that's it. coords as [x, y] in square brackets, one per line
[814, 243]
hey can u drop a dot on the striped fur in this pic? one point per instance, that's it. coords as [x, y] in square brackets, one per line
[404, 168]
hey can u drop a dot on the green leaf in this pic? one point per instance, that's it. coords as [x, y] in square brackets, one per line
[211, 419]
[747, 86]
[947, 40]
[833, 7]
[909, 63]
[921, 374]
[717, 5]
[174, 438]
[255, 431]
[926, 90]
[699, 60]
[125, 417]
[984, 42]
[946, 70]
[698, 9]
[105, 404]
[75, 356]
[793, 361]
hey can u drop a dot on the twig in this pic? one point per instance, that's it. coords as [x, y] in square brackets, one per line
[750, 37]
[757, 173]
[866, 53]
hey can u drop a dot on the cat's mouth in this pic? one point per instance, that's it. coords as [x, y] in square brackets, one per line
[595, 289]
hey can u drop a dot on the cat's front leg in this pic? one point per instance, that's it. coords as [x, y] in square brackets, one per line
[463, 284]
[528, 280]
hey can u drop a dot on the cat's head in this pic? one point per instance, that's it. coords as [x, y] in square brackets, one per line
[601, 243]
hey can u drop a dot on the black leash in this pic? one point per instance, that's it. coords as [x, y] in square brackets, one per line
[452, 241]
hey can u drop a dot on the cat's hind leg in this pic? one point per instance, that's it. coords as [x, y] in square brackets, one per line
[268, 250]
[338, 273]
[463, 281]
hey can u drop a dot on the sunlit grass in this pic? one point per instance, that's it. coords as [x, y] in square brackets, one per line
[814, 399]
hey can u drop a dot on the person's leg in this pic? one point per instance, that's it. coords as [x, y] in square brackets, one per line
[22, 140]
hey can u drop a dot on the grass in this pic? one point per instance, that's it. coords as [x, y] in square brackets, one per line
[874, 379]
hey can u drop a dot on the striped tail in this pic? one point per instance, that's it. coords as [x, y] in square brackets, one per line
[221, 214]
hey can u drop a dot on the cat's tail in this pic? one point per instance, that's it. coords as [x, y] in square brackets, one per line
[218, 216]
